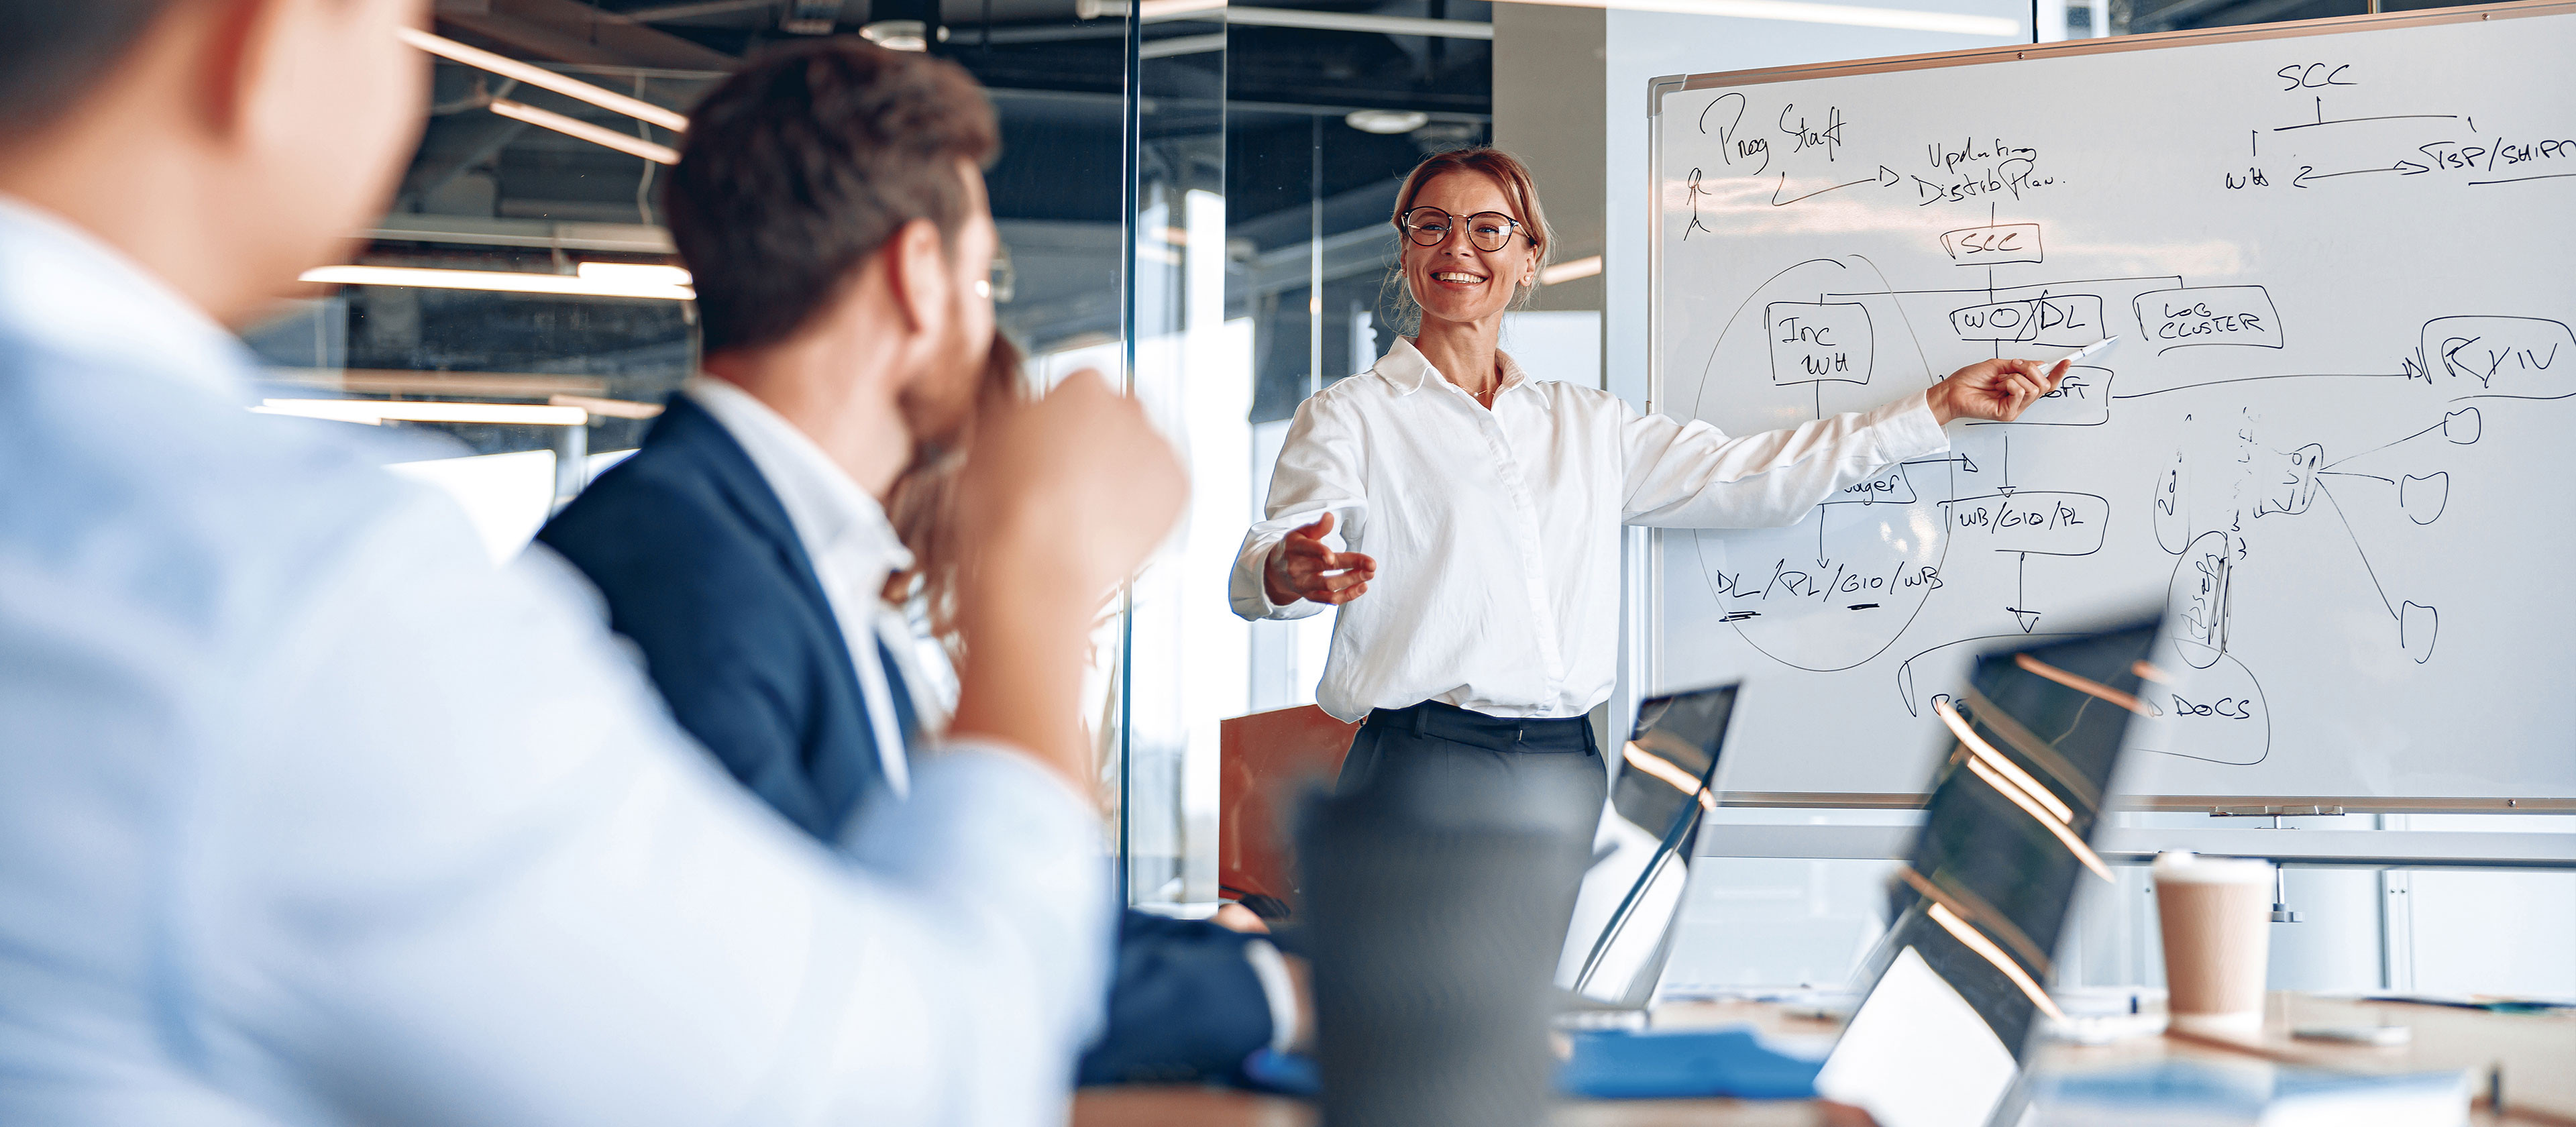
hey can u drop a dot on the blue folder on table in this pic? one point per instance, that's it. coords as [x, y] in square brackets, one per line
[1683, 1064]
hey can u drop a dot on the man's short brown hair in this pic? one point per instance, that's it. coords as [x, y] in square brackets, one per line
[802, 164]
[55, 50]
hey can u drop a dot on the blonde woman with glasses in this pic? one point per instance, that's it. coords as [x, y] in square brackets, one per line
[1477, 508]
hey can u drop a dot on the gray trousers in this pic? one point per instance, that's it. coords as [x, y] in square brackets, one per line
[1448, 765]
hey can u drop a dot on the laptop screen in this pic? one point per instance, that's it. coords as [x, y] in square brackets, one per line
[2030, 745]
[1623, 916]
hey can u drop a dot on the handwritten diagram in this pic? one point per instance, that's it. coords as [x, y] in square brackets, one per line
[2297, 432]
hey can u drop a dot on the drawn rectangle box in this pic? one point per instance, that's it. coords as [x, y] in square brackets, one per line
[2205, 315]
[2082, 399]
[1994, 244]
[2046, 319]
[2041, 522]
[2505, 355]
[1818, 341]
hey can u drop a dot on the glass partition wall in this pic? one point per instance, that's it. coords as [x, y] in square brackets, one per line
[514, 323]
[1268, 146]
[1192, 199]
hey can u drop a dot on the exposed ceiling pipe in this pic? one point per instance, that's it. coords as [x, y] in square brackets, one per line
[664, 12]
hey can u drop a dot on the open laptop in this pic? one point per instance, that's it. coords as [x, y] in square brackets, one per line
[1957, 984]
[1955, 987]
[1622, 932]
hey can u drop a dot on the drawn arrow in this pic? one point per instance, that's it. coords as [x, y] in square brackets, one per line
[2021, 573]
[2007, 486]
[1886, 176]
[2309, 172]
[1962, 459]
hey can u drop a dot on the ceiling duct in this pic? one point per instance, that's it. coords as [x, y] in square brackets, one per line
[811, 17]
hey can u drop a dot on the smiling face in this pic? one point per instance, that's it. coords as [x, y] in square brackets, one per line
[1455, 280]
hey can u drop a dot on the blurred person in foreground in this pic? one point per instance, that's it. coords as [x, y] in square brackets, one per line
[745, 548]
[309, 814]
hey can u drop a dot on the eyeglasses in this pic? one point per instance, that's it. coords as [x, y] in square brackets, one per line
[1489, 230]
[1001, 281]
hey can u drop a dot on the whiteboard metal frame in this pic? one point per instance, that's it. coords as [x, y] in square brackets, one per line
[2222, 805]
[1644, 620]
[2133, 845]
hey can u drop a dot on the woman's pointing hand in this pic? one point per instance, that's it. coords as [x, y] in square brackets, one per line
[1995, 389]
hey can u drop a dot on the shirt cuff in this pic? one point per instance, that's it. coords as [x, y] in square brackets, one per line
[1250, 593]
[1905, 428]
[1278, 989]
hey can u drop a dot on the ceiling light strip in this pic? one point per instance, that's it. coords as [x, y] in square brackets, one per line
[544, 79]
[1986, 751]
[2074, 844]
[1974, 941]
[2084, 685]
[1181, 45]
[374, 411]
[1797, 11]
[614, 408]
[1972, 908]
[499, 281]
[1568, 271]
[1359, 21]
[595, 134]
[1151, 11]
[1660, 767]
[1670, 773]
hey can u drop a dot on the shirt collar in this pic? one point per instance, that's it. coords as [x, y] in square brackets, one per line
[64, 289]
[1406, 368]
[832, 515]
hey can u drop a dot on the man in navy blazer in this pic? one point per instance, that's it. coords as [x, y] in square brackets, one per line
[742, 548]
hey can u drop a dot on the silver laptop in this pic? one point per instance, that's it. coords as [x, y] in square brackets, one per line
[1956, 986]
[1623, 931]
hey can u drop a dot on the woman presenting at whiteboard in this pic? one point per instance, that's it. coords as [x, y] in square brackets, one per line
[1479, 509]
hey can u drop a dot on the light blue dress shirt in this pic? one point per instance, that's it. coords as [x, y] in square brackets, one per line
[310, 815]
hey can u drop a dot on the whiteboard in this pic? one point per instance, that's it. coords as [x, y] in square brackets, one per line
[2337, 443]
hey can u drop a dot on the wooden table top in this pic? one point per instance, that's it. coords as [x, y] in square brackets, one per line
[2535, 1054]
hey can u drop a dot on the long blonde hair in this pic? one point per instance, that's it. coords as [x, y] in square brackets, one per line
[922, 506]
[1507, 172]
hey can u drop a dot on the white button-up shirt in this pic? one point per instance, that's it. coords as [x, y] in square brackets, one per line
[311, 815]
[1496, 532]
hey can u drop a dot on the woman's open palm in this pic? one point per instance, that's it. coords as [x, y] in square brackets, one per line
[1303, 568]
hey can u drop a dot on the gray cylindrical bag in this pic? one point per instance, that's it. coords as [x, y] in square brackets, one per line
[1434, 947]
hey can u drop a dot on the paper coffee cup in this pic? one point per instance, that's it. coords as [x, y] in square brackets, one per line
[2216, 914]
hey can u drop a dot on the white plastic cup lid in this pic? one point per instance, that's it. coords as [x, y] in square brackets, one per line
[2192, 868]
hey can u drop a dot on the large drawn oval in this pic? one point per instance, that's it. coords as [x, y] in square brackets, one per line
[1837, 588]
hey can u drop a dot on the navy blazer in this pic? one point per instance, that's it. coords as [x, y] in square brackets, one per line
[702, 569]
